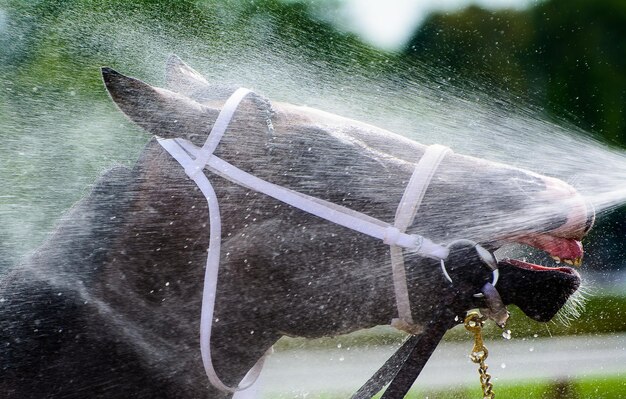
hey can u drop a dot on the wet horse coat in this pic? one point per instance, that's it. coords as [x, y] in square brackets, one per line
[109, 305]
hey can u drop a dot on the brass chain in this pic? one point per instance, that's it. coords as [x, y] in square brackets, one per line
[474, 323]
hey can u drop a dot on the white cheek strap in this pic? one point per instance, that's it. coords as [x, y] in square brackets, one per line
[194, 160]
[405, 214]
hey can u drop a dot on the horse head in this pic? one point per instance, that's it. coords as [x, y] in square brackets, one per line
[364, 168]
[136, 247]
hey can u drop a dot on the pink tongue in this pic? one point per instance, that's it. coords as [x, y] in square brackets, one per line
[564, 248]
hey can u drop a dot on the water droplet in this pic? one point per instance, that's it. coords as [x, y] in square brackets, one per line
[535, 335]
[339, 345]
[503, 365]
[341, 359]
[167, 284]
[531, 349]
[506, 334]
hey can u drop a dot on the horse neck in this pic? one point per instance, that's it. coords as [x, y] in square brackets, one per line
[50, 303]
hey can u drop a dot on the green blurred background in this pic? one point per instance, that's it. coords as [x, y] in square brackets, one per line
[59, 131]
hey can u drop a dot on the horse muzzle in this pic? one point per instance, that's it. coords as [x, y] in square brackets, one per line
[540, 292]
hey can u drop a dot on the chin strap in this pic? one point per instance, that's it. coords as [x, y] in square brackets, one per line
[194, 160]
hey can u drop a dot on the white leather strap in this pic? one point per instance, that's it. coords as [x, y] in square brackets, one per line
[324, 209]
[405, 214]
[194, 167]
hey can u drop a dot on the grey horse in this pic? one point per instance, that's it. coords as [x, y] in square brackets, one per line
[109, 306]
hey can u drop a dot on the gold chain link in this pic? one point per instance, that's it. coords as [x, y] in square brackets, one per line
[474, 323]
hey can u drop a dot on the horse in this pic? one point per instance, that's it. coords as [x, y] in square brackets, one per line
[109, 305]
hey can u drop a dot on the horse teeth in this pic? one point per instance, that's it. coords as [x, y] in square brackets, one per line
[556, 259]
[569, 262]
[578, 261]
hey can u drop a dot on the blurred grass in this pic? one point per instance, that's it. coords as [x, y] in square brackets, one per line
[605, 387]
[611, 387]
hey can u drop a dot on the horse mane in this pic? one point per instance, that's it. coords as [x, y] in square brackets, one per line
[82, 237]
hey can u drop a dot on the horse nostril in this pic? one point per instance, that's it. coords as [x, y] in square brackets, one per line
[591, 215]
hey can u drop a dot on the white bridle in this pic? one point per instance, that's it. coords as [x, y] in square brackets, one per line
[194, 160]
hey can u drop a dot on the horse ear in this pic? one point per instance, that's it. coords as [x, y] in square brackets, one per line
[182, 78]
[159, 111]
[185, 80]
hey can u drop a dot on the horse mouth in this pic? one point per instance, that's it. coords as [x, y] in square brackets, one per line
[560, 249]
[541, 291]
[537, 268]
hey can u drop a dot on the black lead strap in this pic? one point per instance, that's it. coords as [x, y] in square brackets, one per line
[388, 370]
[423, 347]
[403, 367]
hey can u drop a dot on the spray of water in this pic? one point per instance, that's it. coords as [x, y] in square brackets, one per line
[72, 135]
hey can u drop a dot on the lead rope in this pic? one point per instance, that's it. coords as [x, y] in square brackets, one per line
[194, 160]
